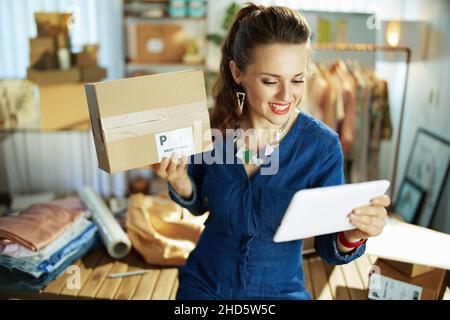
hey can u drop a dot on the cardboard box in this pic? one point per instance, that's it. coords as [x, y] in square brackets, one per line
[92, 74]
[40, 45]
[46, 61]
[86, 59]
[409, 269]
[429, 286]
[149, 43]
[62, 41]
[63, 107]
[56, 76]
[137, 121]
[52, 23]
[43, 50]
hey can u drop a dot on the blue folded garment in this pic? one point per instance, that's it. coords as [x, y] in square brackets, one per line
[18, 281]
[55, 260]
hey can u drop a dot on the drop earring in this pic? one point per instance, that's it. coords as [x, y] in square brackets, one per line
[240, 98]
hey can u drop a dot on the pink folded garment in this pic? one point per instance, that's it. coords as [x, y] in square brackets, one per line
[38, 225]
[71, 202]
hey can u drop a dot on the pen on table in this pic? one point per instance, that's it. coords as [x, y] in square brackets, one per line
[127, 274]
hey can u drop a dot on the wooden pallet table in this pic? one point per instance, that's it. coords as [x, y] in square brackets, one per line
[323, 281]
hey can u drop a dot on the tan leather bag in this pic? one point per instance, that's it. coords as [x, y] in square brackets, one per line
[160, 230]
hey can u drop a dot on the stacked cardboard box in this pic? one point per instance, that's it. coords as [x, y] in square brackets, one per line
[50, 50]
[86, 60]
[63, 107]
[388, 283]
[411, 270]
[43, 53]
[413, 262]
[51, 57]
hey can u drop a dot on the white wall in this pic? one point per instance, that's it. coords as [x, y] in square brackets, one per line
[431, 75]
[62, 162]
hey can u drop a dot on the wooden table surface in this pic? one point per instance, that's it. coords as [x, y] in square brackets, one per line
[157, 284]
[323, 281]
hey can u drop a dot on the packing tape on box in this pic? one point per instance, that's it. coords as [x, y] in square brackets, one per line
[135, 124]
[115, 239]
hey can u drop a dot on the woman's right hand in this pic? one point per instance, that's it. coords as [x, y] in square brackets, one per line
[173, 170]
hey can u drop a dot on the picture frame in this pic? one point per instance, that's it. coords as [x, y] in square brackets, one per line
[427, 168]
[409, 201]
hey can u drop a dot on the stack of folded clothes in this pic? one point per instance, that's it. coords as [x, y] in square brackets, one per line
[42, 241]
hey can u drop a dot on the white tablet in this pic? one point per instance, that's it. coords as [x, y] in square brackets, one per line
[318, 211]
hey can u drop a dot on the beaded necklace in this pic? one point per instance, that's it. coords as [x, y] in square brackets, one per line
[249, 156]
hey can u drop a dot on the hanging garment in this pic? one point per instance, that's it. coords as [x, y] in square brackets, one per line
[380, 123]
[362, 126]
[339, 102]
[161, 231]
[313, 100]
[329, 99]
[346, 117]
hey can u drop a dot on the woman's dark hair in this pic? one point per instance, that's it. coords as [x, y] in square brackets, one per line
[252, 26]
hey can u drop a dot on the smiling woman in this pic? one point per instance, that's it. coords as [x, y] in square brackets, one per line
[273, 83]
[264, 49]
[273, 88]
[258, 97]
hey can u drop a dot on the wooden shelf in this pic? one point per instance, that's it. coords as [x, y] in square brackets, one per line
[137, 9]
[140, 19]
[162, 67]
[193, 28]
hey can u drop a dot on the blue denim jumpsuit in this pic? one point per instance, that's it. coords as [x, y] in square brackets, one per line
[236, 257]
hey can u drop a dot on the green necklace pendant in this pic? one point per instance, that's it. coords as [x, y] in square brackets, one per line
[247, 156]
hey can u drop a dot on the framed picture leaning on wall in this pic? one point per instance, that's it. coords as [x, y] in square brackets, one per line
[427, 169]
[409, 201]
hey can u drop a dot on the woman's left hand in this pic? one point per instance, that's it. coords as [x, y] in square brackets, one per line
[368, 220]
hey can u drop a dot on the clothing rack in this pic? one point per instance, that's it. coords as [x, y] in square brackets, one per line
[366, 47]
